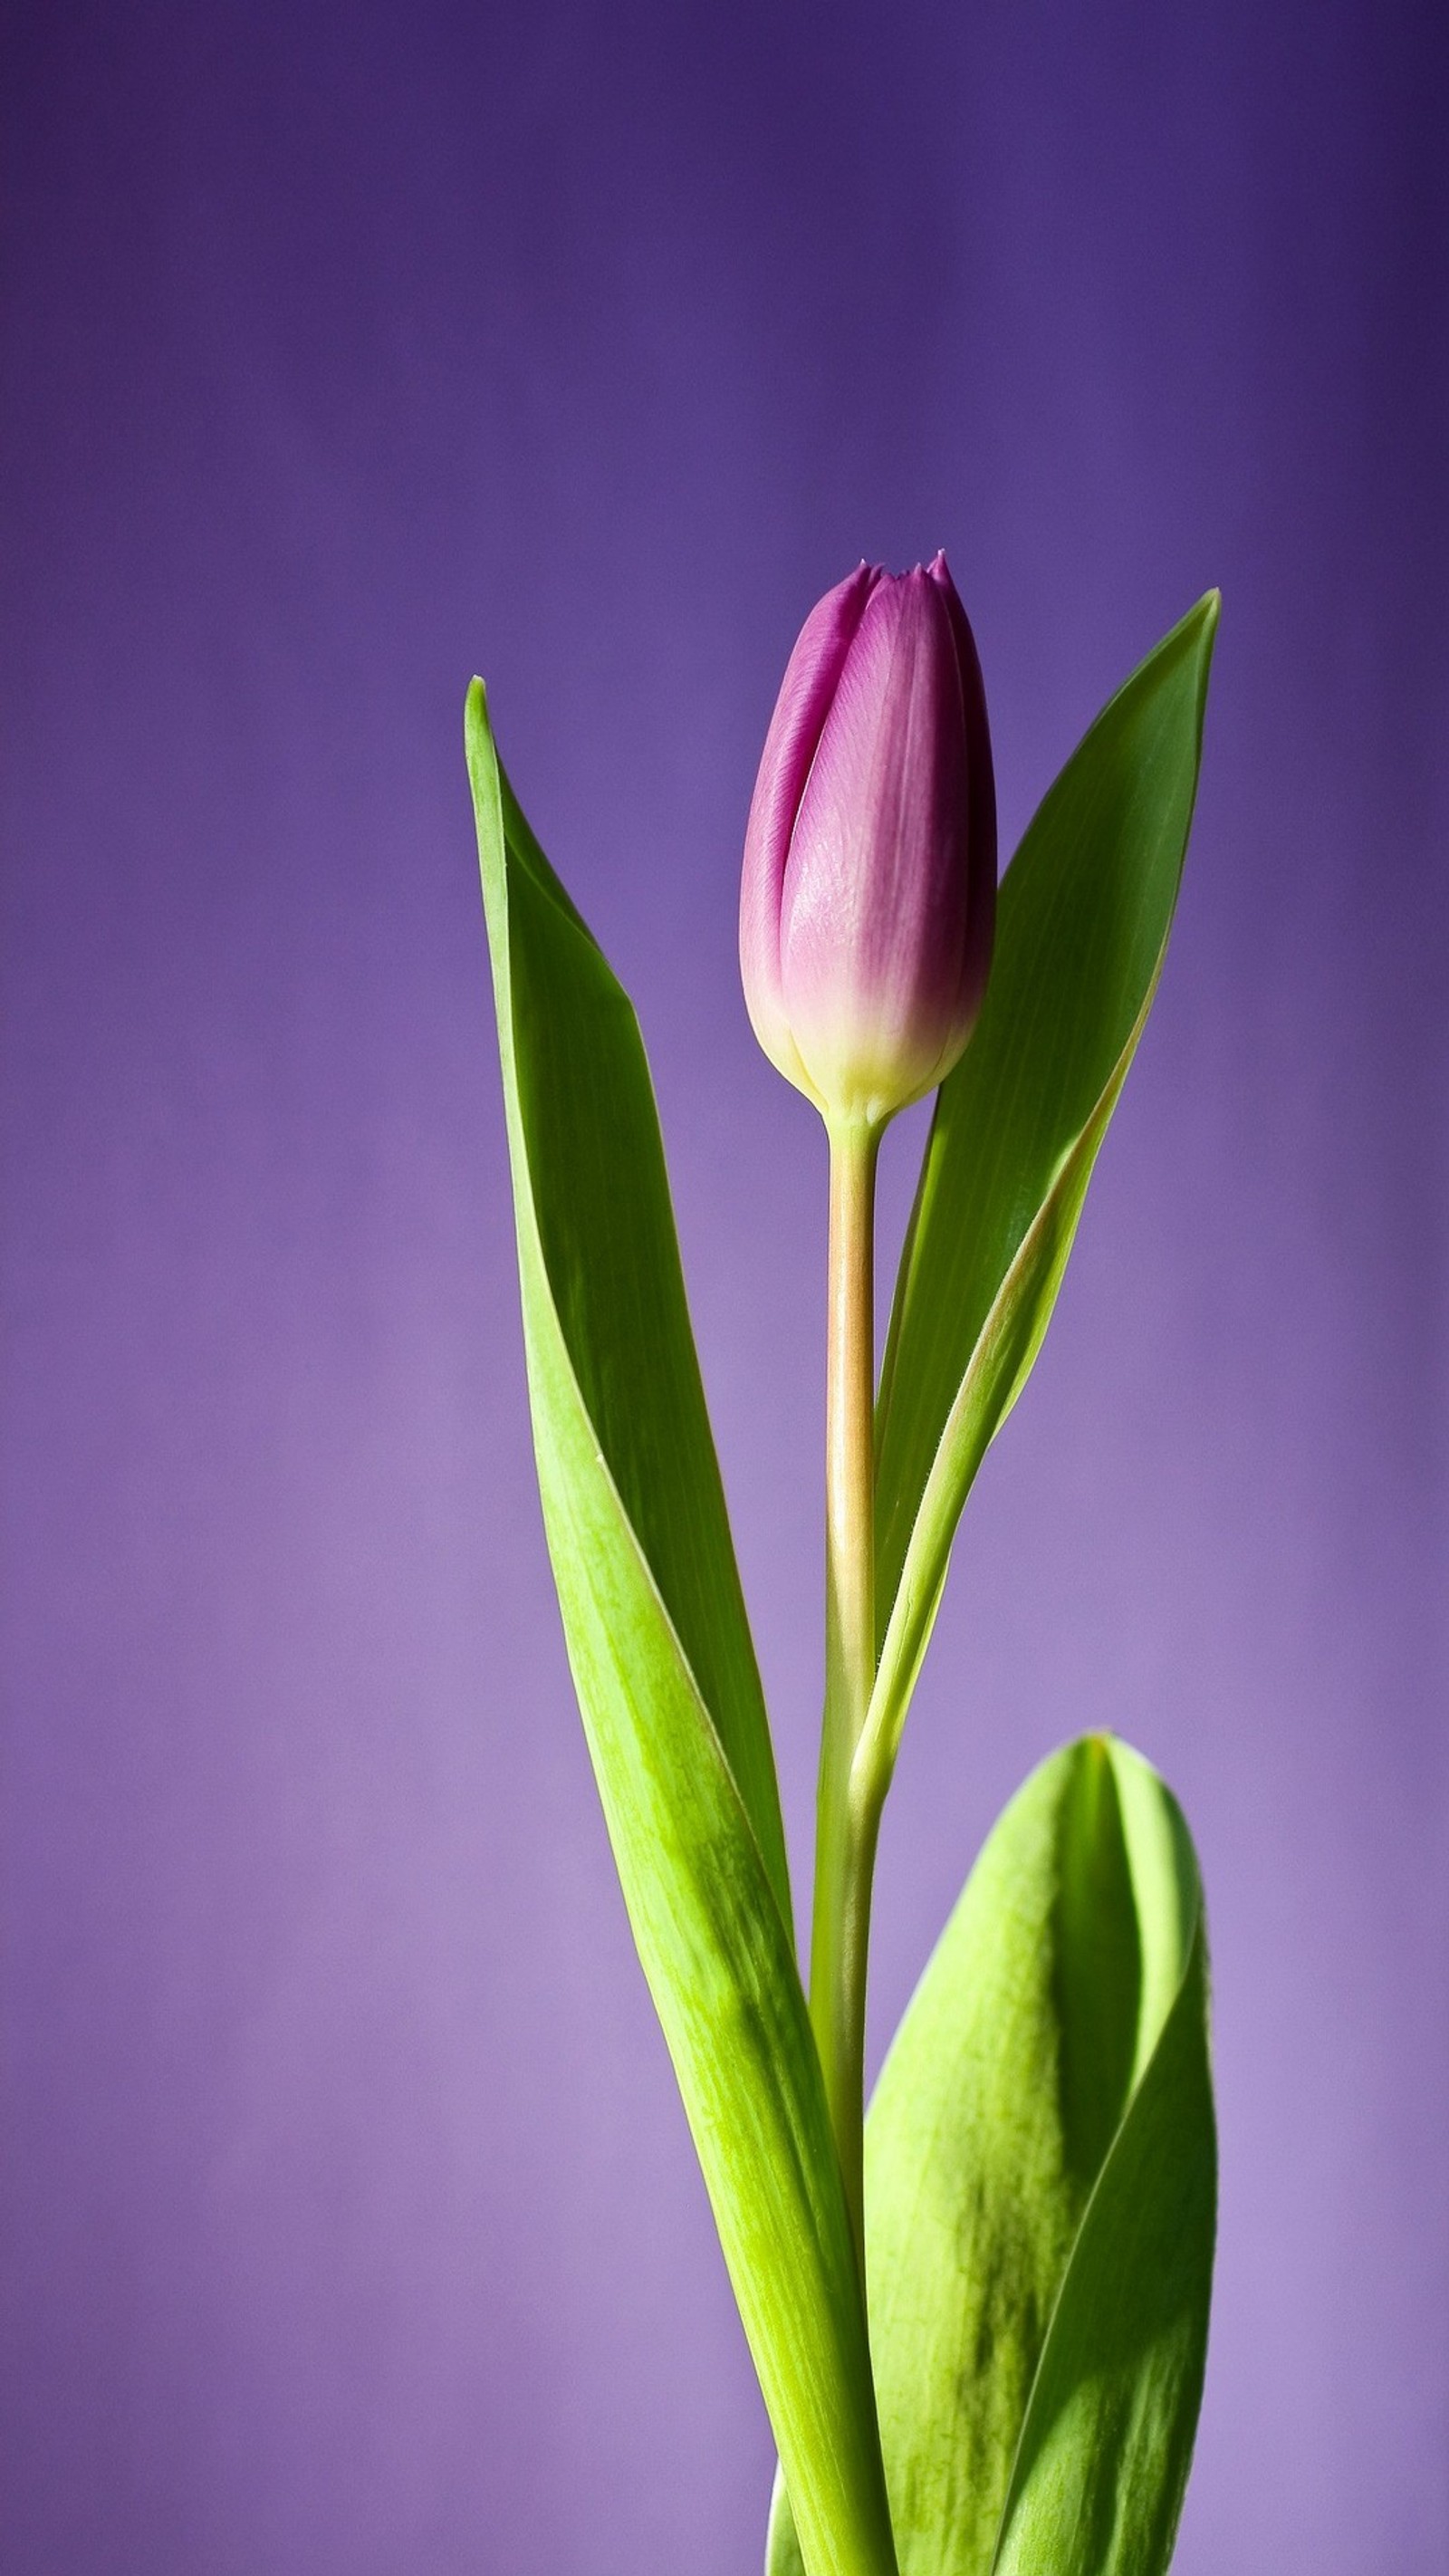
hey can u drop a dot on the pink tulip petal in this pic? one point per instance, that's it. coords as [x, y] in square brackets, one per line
[872, 926]
[806, 692]
[980, 803]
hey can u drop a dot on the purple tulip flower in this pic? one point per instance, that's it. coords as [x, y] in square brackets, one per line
[869, 889]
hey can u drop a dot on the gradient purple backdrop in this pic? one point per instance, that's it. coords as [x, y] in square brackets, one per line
[350, 2222]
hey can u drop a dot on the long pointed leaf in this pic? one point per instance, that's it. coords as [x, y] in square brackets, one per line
[600, 1199]
[1085, 912]
[664, 1669]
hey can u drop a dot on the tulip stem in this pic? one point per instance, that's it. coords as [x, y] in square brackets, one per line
[846, 1837]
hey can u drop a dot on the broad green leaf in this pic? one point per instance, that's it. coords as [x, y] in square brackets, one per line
[1039, 2195]
[665, 1672]
[1085, 911]
[1107, 2444]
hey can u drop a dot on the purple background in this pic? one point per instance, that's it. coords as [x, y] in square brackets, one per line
[350, 2223]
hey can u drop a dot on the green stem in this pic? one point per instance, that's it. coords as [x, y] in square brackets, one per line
[845, 1838]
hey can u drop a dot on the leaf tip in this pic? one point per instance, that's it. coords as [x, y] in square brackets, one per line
[476, 728]
[1203, 619]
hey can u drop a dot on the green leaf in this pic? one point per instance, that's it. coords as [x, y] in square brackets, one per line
[1040, 2172]
[1085, 912]
[1040, 2192]
[664, 1668]
[1107, 2444]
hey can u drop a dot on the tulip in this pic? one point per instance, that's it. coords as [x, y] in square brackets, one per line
[869, 886]
[866, 914]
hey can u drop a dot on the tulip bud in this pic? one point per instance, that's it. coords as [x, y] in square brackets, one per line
[869, 889]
